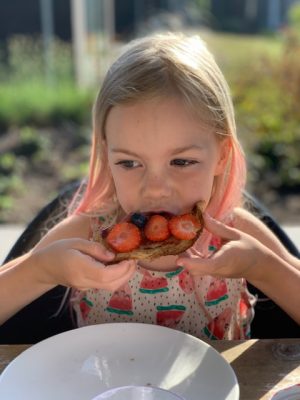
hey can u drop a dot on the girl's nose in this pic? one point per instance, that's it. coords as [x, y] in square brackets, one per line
[157, 186]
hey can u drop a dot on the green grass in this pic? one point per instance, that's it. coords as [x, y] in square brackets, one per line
[35, 103]
[238, 53]
[28, 97]
[241, 47]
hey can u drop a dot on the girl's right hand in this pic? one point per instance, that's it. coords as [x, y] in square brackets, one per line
[80, 264]
[240, 256]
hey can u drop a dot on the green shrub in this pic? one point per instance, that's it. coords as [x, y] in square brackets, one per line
[33, 94]
[294, 16]
[267, 97]
[36, 104]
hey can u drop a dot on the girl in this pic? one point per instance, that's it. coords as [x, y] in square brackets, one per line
[164, 138]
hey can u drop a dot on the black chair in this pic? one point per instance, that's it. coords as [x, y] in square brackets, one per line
[38, 320]
[270, 321]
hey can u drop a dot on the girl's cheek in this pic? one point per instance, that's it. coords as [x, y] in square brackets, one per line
[126, 199]
[199, 189]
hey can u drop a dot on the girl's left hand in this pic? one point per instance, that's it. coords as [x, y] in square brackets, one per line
[239, 257]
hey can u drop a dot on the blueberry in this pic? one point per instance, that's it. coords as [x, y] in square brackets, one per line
[139, 220]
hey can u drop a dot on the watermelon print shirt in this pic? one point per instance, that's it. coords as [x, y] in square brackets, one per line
[205, 307]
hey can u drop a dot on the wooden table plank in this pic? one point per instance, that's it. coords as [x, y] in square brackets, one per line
[9, 352]
[260, 370]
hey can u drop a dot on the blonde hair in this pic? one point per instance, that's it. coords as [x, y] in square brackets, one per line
[165, 65]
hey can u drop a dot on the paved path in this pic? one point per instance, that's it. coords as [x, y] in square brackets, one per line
[10, 233]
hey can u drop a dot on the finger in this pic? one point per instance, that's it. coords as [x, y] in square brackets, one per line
[196, 265]
[117, 283]
[218, 228]
[93, 249]
[113, 276]
[115, 271]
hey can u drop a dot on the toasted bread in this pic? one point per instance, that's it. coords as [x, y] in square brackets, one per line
[150, 250]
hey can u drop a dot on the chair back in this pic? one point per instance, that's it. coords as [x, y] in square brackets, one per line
[270, 321]
[38, 320]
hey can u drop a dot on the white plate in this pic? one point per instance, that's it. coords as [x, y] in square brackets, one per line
[82, 363]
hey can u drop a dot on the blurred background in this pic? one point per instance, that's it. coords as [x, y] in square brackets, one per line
[54, 53]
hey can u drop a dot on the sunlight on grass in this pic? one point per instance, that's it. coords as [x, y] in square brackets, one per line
[27, 101]
[234, 52]
[236, 47]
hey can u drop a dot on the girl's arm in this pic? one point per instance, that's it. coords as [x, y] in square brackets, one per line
[63, 257]
[280, 281]
[255, 259]
[248, 223]
[19, 285]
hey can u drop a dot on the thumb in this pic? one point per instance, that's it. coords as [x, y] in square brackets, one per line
[219, 229]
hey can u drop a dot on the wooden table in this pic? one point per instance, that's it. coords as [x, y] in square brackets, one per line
[262, 366]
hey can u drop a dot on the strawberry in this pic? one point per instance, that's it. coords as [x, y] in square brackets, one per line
[184, 227]
[157, 229]
[124, 237]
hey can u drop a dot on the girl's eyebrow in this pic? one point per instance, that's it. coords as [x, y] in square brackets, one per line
[187, 148]
[124, 151]
[174, 152]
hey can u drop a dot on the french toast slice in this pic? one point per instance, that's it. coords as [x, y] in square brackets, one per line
[149, 250]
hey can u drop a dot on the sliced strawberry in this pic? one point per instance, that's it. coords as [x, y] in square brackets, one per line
[124, 237]
[184, 227]
[157, 228]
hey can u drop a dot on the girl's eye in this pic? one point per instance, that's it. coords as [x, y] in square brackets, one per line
[128, 164]
[181, 162]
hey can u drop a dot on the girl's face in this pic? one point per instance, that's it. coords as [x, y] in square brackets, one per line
[161, 157]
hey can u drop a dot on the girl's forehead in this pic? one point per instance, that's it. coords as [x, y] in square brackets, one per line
[156, 117]
[163, 135]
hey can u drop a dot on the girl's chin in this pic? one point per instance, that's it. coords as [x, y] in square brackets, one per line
[165, 263]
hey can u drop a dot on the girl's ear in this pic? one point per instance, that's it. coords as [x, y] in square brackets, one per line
[224, 151]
